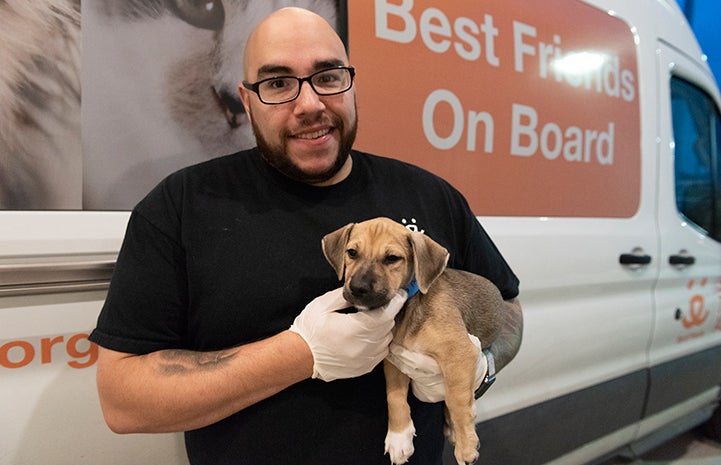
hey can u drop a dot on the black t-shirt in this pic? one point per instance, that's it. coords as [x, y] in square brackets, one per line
[229, 252]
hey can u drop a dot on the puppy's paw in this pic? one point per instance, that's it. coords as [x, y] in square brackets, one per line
[466, 451]
[468, 458]
[399, 446]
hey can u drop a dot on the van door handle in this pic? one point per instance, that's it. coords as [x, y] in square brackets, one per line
[634, 259]
[681, 260]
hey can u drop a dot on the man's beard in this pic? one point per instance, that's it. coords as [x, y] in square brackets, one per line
[278, 159]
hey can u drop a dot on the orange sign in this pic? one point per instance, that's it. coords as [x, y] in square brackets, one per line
[528, 108]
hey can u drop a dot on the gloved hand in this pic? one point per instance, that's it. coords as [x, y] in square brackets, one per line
[346, 345]
[425, 373]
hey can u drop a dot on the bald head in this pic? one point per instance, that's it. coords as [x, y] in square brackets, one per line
[291, 32]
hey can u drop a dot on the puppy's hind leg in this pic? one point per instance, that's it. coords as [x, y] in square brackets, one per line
[458, 364]
[399, 440]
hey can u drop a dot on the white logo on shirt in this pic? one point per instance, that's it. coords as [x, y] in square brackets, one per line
[412, 226]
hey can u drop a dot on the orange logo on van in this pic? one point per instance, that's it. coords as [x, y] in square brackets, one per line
[697, 312]
[75, 350]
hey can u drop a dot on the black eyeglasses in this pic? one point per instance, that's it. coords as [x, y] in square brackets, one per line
[284, 89]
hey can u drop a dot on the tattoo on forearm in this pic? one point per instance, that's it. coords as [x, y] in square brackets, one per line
[178, 362]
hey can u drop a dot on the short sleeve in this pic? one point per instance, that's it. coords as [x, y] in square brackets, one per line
[146, 306]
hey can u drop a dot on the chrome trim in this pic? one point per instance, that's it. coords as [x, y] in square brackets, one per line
[55, 274]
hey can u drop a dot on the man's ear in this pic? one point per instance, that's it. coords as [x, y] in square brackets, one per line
[334, 245]
[245, 99]
[429, 259]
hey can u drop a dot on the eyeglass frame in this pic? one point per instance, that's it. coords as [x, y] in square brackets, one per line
[255, 86]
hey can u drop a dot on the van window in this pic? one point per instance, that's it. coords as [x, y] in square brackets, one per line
[697, 135]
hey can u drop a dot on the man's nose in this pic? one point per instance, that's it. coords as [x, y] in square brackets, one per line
[308, 100]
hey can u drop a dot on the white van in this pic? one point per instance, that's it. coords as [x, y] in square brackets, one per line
[585, 134]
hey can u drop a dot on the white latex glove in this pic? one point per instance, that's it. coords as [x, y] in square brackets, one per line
[425, 373]
[346, 345]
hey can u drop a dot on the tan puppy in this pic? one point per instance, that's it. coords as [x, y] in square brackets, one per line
[380, 256]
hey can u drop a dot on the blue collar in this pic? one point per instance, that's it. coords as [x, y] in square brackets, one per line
[412, 288]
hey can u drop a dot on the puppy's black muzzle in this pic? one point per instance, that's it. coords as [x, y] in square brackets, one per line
[364, 290]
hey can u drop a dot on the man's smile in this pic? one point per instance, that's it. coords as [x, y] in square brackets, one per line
[313, 135]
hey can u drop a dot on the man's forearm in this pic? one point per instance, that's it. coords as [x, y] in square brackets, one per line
[508, 342]
[176, 390]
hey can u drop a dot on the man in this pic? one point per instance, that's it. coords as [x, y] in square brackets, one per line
[220, 258]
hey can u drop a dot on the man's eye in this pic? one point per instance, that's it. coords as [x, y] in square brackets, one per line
[277, 84]
[327, 78]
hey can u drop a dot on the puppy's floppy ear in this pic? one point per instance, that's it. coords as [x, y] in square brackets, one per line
[334, 245]
[430, 260]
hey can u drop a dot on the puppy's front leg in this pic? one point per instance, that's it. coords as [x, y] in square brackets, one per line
[399, 440]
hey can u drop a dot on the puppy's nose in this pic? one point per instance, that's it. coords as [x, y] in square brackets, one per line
[361, 286]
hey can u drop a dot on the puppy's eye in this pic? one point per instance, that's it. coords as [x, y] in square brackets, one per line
[352, 253]
[205, 14]
[391, 259]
